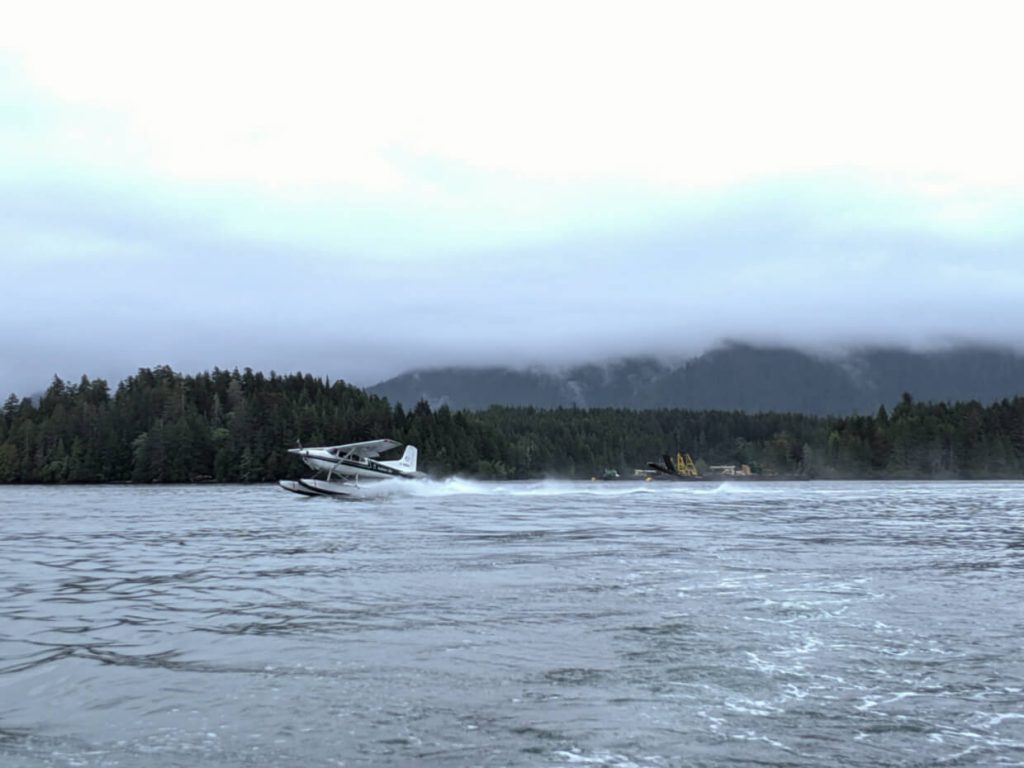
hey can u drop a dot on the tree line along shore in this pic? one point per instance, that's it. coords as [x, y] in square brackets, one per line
[229, 426]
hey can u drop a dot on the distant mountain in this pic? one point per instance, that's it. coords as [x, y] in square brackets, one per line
[742, 378]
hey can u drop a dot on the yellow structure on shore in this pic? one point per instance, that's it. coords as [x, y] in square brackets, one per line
[681, 466]
[685, 466]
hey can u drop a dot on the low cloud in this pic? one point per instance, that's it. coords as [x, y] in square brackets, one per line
[103, 288]
[417, 196]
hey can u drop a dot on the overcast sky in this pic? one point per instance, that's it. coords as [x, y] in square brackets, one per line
[356, 190]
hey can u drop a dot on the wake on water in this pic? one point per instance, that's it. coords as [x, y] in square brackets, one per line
[549, 487]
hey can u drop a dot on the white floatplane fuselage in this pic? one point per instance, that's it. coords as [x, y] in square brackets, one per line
[357, 462]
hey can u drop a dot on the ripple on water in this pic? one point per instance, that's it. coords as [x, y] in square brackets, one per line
[555, 623]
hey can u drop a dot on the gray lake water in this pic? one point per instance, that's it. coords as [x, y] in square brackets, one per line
[459, 624]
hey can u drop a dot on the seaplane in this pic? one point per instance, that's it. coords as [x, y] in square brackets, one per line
[341, 468]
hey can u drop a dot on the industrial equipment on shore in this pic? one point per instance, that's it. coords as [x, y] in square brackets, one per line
[681, 466]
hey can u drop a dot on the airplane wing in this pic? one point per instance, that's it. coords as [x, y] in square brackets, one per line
[369, 449]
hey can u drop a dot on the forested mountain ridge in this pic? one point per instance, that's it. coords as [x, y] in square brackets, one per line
[161, 426]
[731, 378]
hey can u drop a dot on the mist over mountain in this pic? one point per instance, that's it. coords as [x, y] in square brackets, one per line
[737, 377]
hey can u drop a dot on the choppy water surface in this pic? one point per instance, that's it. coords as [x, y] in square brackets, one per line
[548, 624]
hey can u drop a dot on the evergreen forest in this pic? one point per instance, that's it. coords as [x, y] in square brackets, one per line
[160, 426]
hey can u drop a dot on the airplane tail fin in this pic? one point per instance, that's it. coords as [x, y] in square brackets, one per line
[407, 464]
[408, 460]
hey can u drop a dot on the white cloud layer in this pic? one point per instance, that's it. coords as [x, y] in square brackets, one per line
[355, 189]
